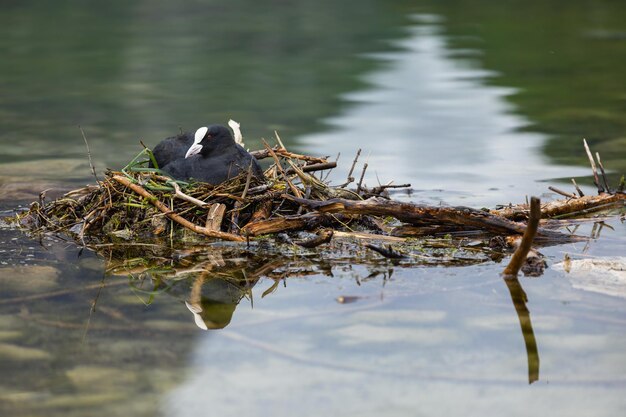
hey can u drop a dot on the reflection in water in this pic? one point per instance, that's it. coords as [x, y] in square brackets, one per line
[211, 281]
[431, 120]
[410, 327]
[519, 298]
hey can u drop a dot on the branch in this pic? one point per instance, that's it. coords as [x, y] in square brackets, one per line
[531, 230]
[175, 217]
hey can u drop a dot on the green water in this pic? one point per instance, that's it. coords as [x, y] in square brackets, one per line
[477, 103]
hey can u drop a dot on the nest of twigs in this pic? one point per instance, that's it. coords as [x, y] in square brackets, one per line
[140, 202]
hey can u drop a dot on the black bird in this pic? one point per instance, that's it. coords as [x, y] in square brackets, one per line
[212, 157]
[172, 148]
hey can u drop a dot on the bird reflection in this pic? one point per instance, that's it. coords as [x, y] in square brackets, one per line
[210, 282]
[212, 301]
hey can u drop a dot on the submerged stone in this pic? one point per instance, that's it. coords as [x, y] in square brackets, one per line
[26, 278]
[22, 353]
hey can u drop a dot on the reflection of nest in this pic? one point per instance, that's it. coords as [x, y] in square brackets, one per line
[210, 281]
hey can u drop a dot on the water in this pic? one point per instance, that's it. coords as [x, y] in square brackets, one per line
[466, 104]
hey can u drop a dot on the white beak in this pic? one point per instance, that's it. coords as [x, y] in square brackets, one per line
[194, 149]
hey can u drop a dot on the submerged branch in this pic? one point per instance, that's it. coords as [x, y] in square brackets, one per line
[531, 230]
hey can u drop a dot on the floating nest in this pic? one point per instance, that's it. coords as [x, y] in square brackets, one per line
[140, 203]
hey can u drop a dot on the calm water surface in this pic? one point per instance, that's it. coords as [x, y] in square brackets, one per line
[429, 93]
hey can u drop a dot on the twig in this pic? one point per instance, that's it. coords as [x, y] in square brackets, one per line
[280, 142]
[330, 170]
[293, 188]
[173, 216]
[596, 180]
[578, 190]
[386, 252]
[381, 188]
[360, 184]
[606, 183]
[314, 167]
[531, 230]
[563, 193]
[186, 197]
[235, 216]
[93, 169]
[350, 177]
[248, 179]
[265, 153]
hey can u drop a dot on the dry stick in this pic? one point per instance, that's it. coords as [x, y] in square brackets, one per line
[264, 153]
[293, 188]
[280, 142]
[314, 167]
[563, 193]
[323, 179]
[358, 187]
[606, 183]
[531, 230]
[173, 216]
[350, 177]
[596, 180]
[234, 220]
[186, 197]
[93, 169]
[578, 190]
[381, 188]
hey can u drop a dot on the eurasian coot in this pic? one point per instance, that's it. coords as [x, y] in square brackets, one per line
[212, 157]
[172, 148]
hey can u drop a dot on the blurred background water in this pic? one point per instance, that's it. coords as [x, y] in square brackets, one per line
[473, 103]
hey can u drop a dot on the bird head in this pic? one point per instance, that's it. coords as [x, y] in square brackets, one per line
[206, 139]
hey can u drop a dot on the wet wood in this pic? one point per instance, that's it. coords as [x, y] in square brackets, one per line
[408, 230]
[519, 256]
[262, 211]
[215, 216]
[580, 205]
[282, 224]
[418, 213]
[367, 236]
[387, 252]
